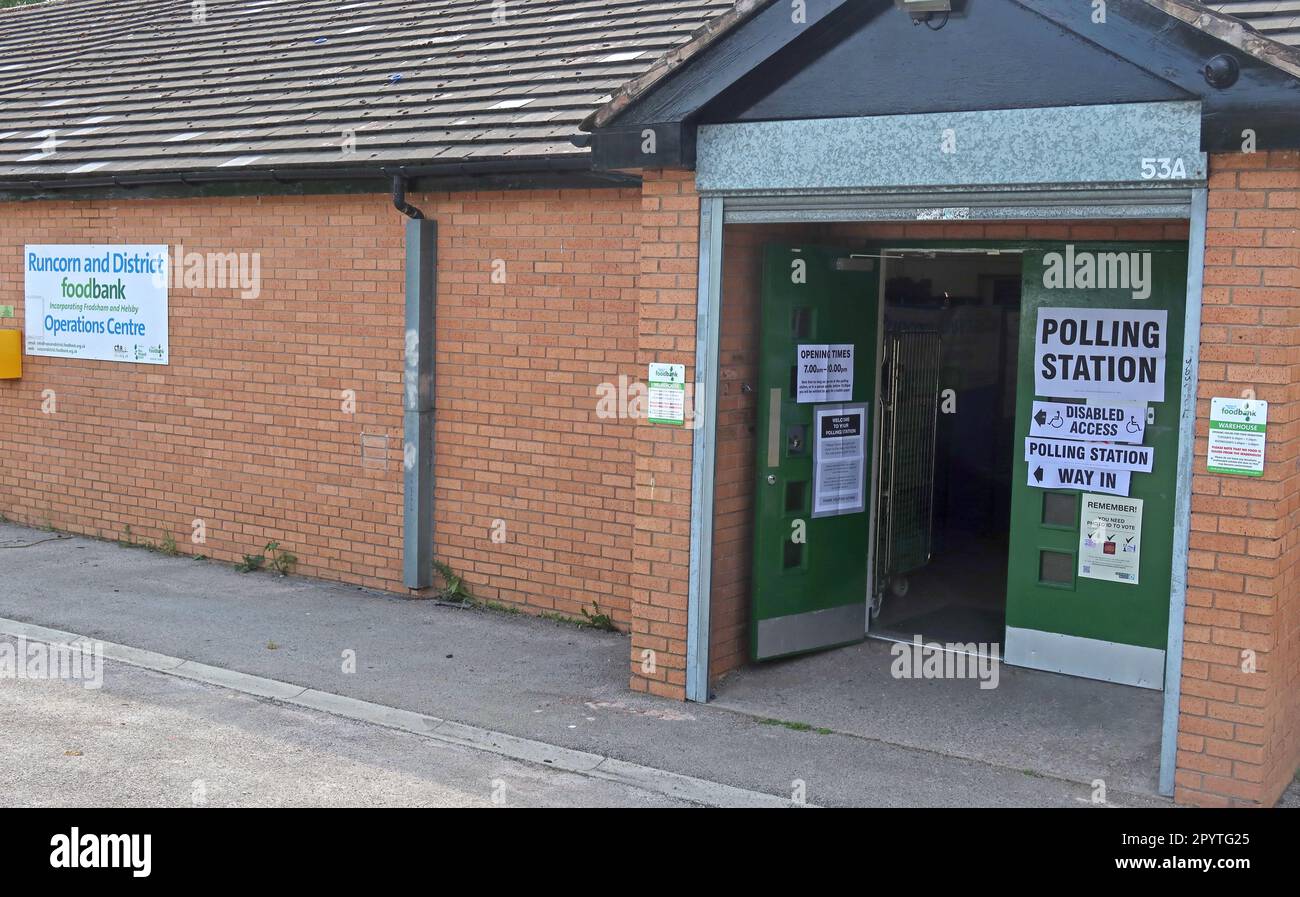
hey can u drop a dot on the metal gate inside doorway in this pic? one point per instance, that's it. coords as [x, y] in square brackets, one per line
[909, 409]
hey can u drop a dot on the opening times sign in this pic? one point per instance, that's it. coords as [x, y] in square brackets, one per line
[99, 302]
[825, 373]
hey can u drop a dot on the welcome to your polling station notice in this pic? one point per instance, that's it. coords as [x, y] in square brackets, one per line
[105, 302]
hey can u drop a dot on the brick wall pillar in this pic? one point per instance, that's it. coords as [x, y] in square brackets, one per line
[1238, 728]
[666, 332]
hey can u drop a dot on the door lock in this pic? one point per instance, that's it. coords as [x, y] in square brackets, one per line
[794, 439]
[771, 479]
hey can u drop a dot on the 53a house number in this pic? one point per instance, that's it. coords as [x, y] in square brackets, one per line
[1164, 169]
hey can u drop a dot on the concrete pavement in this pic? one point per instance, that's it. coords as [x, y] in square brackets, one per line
[520, 676]
[152, 739]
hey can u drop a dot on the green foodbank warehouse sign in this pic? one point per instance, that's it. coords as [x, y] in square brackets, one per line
[107, 303]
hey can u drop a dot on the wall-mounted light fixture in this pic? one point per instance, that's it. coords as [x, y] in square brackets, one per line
[919, 9]
[934, 13]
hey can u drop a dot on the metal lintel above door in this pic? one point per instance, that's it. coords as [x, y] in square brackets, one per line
[1166, 202]
[1146, 145]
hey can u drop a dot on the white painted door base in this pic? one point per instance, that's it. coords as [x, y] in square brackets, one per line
[1087, 657]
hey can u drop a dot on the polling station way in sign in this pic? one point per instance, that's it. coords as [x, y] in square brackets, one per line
[1061, 475]
[1096, 455]
[1115, 360]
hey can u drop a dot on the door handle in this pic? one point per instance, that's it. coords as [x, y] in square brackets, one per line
[774, 427]
[771, 479]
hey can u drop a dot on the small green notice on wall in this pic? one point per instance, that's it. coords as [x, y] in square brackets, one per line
[1238, 431]
[6, 311]
[667, 394]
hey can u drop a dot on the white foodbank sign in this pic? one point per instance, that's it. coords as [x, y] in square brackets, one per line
[106, 303]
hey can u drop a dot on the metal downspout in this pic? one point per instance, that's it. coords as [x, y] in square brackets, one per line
[417, 400]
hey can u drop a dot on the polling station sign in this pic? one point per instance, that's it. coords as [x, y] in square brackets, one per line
[99, 302]
[1101, 353]
[839, 459]
[1098, 456]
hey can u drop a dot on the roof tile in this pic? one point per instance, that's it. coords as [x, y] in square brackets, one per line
[129, 86]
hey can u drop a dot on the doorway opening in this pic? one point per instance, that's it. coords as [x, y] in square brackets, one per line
[950, 328]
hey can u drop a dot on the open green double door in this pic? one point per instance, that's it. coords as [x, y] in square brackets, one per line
[816, 441]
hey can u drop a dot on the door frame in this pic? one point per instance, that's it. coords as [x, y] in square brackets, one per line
[713, 214]
[950, 247]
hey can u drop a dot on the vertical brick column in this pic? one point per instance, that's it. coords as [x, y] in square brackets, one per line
[666, 332]
[1237, 733]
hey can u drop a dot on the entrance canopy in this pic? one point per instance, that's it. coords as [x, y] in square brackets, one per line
[826, 59]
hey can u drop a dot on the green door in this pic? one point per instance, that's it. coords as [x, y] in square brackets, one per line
[813, 471]
[1058, 618]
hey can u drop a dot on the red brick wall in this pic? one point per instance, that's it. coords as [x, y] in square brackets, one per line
[733, 485]
[519, 364]
[1239, 732]
[667, 298]
[245, 429]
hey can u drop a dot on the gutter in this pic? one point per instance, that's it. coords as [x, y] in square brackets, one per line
[571, 163]
[1232, 32]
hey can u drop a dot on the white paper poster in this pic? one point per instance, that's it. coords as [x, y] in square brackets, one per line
[1093, 422]
[666, 394]
[839, 460]
[1110, 538]
[1238, 431]
[825, 373]
[1102, 353]
[1059, 475]
[1096, 455]
[106, 302]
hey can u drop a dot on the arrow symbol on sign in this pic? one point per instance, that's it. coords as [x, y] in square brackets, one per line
[1041, 417]
[1038, 474]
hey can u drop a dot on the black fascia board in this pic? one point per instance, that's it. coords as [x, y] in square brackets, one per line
[665, 114]
[1264, 100]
